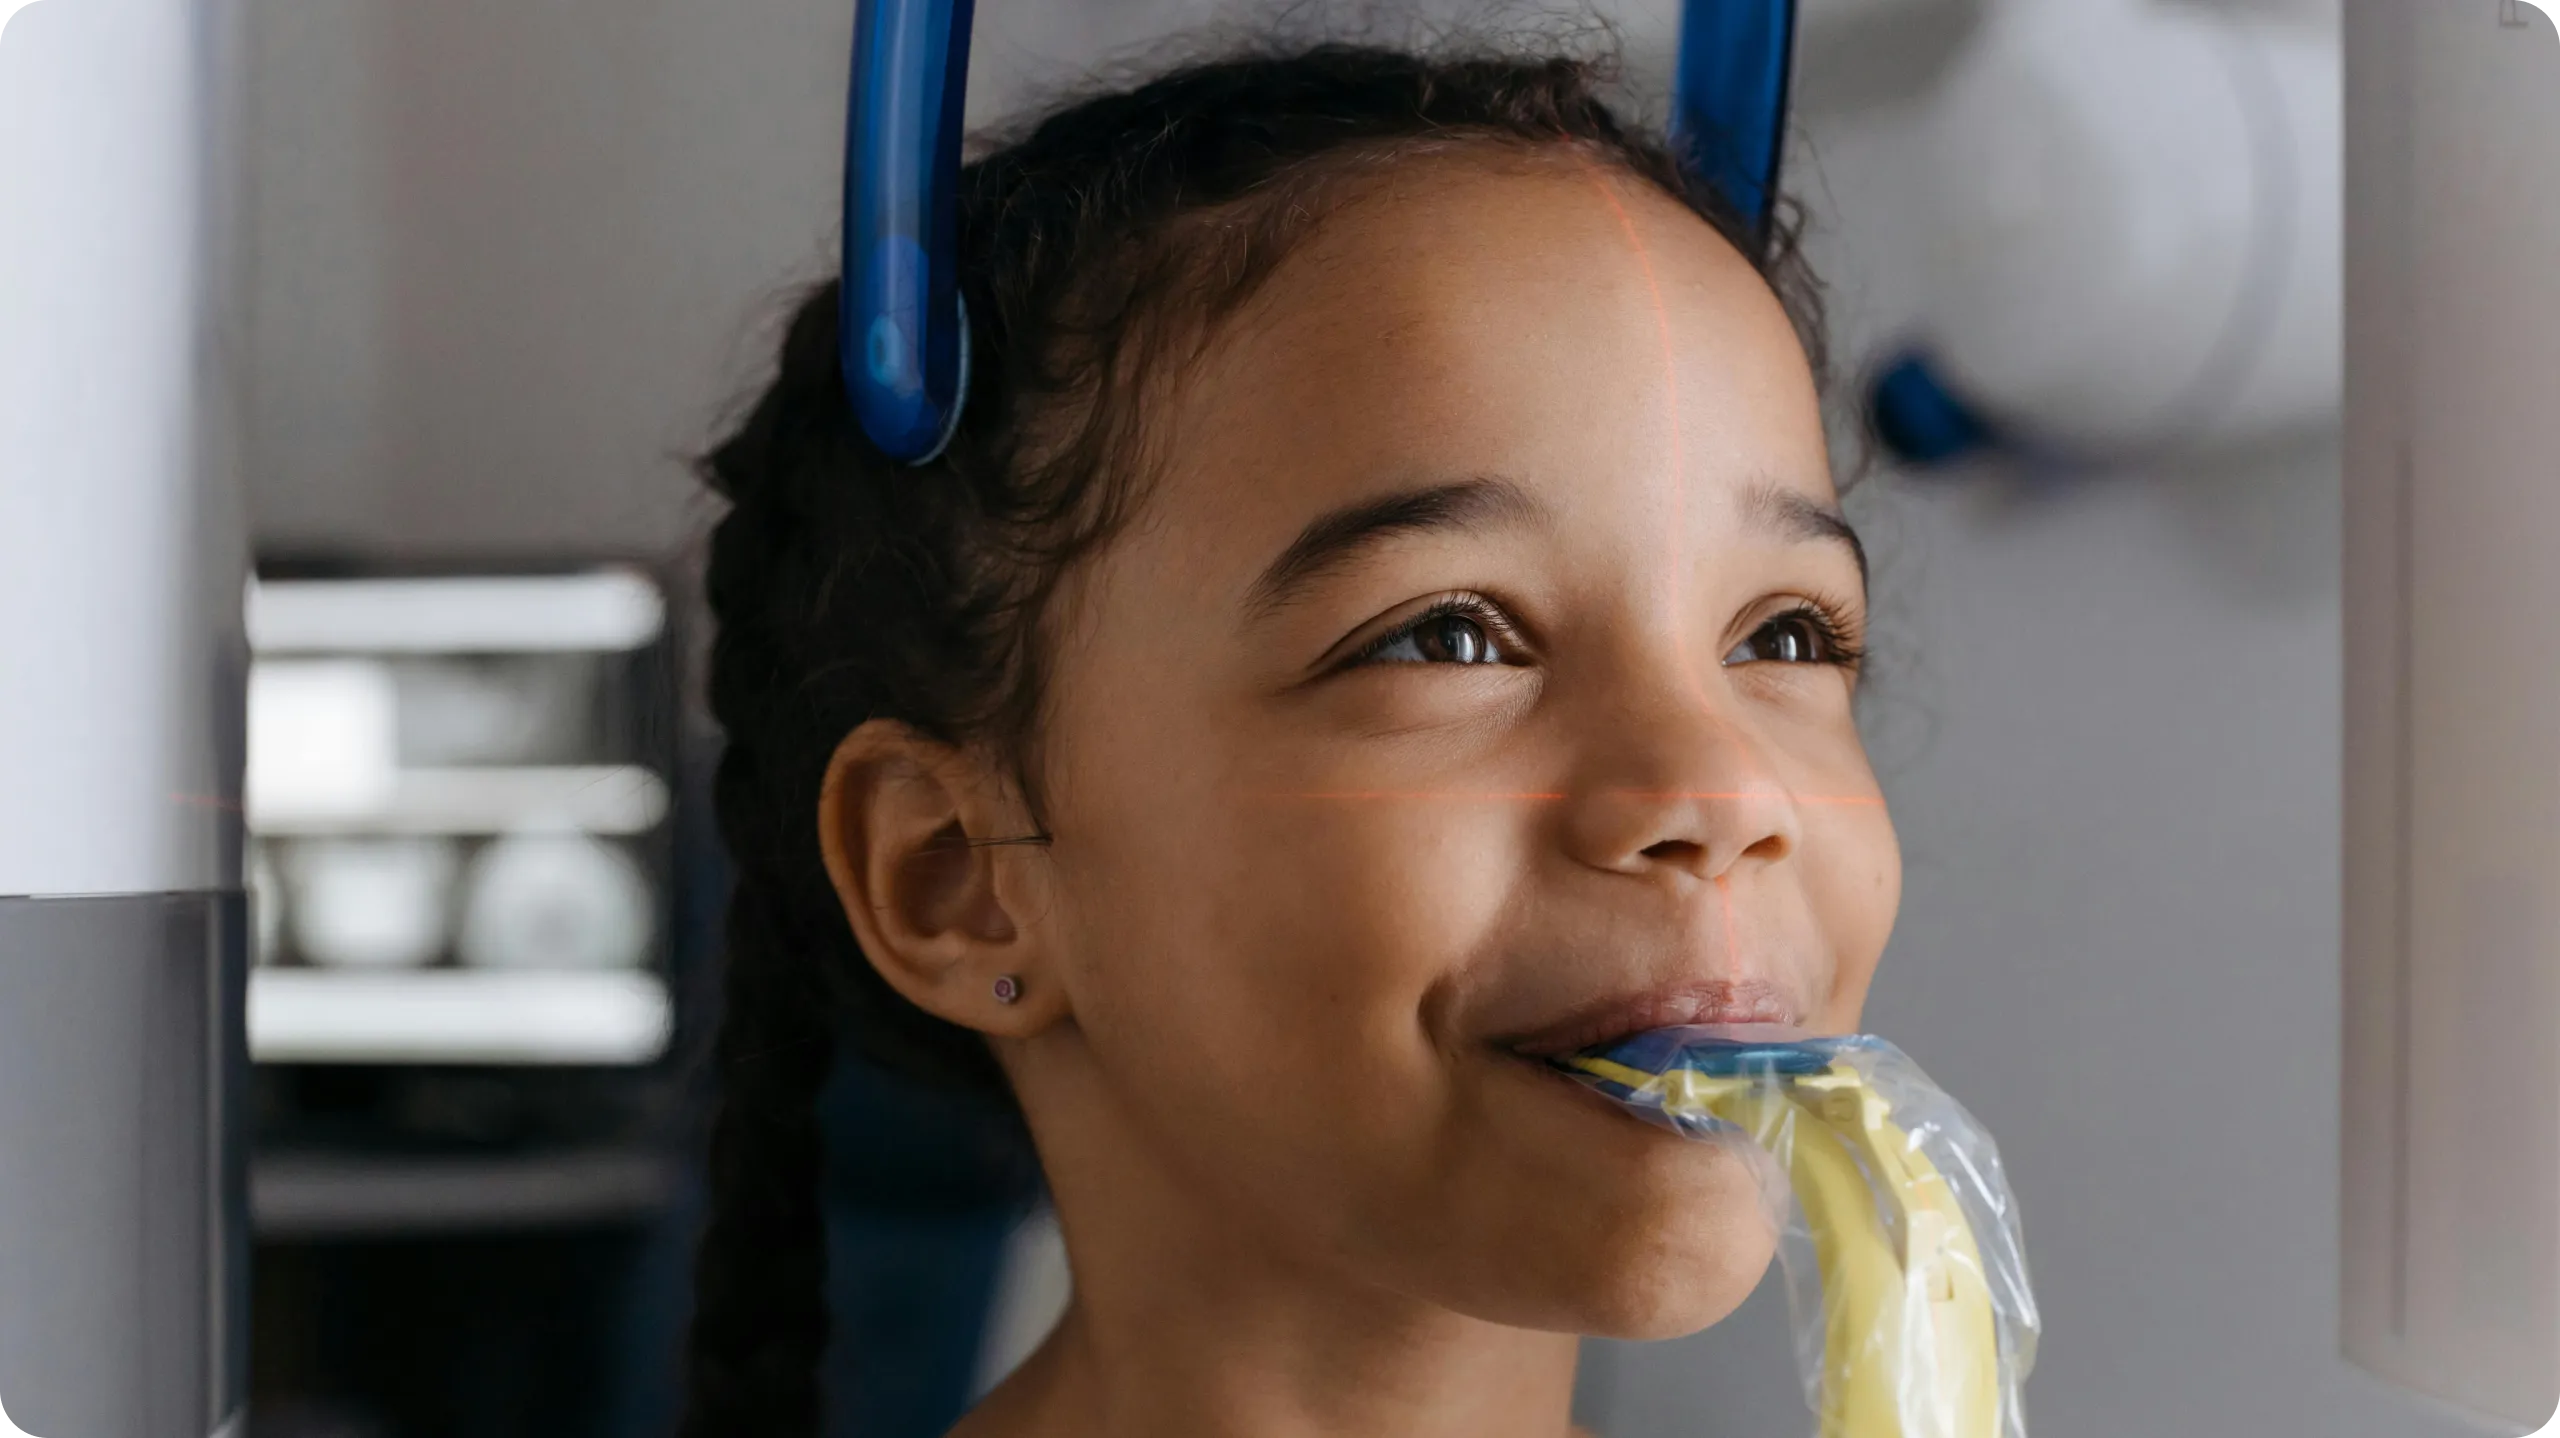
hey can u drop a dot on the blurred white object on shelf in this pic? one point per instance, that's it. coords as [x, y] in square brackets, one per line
[323, 737]
[496, 709]
[372, 902]
[555, 901]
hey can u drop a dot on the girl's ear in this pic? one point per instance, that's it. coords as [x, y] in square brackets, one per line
[904, 820]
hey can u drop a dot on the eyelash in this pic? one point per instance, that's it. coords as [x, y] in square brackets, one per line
[1497, 626]
[1840, 650]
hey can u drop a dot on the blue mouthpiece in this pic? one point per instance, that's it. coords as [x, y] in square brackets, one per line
[1703, 1051]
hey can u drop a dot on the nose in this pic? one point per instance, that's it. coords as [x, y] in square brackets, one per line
[1673, 786]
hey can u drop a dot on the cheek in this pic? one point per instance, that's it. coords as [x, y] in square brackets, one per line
[1253, 952]
[1853, 886]
[1273, 891]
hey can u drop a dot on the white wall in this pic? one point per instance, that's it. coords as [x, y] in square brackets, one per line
[514, 257]
[510, 256]
[513, 260]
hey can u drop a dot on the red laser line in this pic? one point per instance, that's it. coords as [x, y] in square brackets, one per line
[1732, 945]
[206, 801]
[1677, 606]
[1737, 795]
[1678, 611]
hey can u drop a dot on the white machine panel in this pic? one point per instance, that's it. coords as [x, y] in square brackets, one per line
[2451, 1127]
[121, 542]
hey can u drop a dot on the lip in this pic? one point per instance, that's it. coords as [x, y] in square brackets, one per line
[1693, 1001]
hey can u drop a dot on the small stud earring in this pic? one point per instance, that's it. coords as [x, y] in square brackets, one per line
[1008, 989]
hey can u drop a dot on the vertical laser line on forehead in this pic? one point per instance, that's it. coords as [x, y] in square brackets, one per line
[1679, 528]
[1335, 538]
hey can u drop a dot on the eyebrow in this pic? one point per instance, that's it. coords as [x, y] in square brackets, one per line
[1333, 540]
[1336, 538]
[1792, 514]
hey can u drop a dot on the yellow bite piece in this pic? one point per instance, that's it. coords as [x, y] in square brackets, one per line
[1911, 1347]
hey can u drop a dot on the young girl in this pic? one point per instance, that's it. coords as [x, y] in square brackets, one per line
[1384, 621]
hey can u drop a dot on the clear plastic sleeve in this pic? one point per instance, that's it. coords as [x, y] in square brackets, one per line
[1905, 1265]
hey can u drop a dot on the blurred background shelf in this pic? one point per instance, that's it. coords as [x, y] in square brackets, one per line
[335, 1196]
[595, 611]
[457, 1016]
[608, 799]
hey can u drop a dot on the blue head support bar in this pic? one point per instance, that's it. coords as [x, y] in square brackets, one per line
[1737, 58]
[904, 335]
[904, 331]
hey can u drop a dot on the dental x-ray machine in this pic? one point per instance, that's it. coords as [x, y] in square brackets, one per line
[122, 555]
[122, 559]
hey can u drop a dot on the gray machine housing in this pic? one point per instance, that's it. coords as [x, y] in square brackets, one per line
[122, 1301]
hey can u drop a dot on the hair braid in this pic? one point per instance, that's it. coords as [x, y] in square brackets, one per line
[760, 1324]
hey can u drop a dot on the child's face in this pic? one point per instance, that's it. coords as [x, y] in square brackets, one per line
[1320, 877]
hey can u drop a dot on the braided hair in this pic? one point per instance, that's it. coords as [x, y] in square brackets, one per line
[847, 587]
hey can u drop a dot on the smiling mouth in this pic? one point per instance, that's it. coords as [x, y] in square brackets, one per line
[1714, 1001]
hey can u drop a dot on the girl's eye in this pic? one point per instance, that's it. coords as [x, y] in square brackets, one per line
[1439, 637]
[1800, 636]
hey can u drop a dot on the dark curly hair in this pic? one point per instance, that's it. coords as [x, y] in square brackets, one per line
[849, 587]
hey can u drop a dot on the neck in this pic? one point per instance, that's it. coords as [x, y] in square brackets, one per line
[1184, 1320]
[1268, 1356]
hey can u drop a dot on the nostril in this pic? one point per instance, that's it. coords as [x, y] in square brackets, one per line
[1691, 854]
[1770, 848]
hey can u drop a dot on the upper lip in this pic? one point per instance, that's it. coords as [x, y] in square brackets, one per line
[1687, 1001]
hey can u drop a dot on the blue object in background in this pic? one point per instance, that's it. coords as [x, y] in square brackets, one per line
[910, 1296]
[923, 1188]
[1919, 419]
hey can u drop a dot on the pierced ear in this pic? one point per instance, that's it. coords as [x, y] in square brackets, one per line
[904, 820]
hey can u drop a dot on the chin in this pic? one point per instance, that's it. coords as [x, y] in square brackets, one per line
[1678, 1240]
[1674, 1294]
[1663, 1251]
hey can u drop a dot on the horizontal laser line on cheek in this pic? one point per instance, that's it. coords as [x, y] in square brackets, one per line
[1511, 796]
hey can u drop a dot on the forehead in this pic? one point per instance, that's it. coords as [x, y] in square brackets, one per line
[1539, 317]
